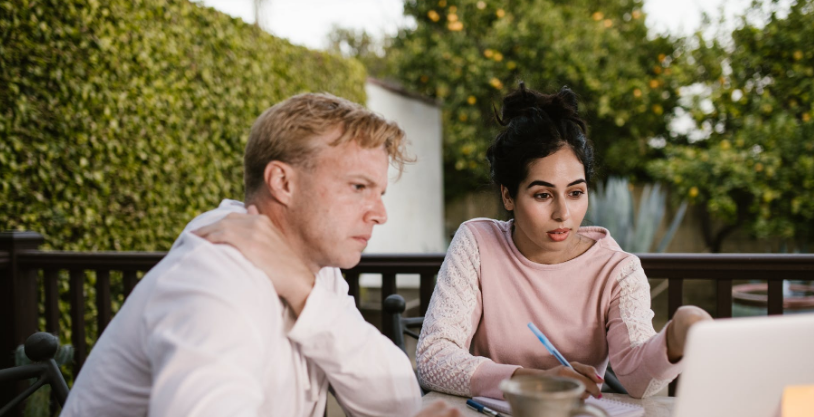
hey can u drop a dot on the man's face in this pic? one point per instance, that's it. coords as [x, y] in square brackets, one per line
[338, 201]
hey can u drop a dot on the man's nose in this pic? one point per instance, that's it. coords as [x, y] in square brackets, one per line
[378, 213]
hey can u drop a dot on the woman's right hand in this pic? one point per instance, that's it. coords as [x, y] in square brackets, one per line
[584, 373]
[678, 328]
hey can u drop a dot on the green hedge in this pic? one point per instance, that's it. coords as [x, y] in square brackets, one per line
[120, 120]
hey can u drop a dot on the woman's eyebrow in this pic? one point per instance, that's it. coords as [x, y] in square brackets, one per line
[548, 184]
[543, 183]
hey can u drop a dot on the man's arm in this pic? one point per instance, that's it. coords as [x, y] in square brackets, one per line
[370, 375]
[203, 346]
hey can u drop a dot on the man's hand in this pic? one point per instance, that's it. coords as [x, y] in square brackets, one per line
[256, 237]
[439, 409]
[684, 318]
[584, 373]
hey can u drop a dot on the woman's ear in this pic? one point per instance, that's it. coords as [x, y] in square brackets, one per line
[508, 202]
[279, 179]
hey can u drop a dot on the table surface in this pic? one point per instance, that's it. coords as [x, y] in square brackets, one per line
[653, 406]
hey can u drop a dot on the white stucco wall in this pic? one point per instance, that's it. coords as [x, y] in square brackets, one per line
[415, 202]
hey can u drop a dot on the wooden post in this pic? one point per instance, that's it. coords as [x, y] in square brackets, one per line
[129, 282]
[18, 302]
[775, 297]
[51, 287]
[103, 302]
[77, 296]
[675, 296]
[675, 299]
[425, 292]
[353, 286]
[724, 297]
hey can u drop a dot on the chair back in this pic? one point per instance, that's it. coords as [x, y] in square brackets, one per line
[394, 306]
[40, 348]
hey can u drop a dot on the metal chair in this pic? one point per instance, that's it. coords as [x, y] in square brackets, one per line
[394, 306]
[40, 348]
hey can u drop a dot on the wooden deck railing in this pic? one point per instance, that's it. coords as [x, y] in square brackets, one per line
[22, 265]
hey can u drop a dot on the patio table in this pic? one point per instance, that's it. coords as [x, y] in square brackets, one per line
[656, 406]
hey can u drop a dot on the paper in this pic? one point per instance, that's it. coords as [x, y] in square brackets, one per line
[612, 407]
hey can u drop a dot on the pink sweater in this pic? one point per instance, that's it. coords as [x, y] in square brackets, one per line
[593, 308]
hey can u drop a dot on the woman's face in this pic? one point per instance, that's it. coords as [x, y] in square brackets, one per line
[550, 204]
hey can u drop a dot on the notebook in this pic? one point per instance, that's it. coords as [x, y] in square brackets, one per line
[612, 407]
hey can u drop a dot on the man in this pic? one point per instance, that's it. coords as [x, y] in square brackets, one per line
[208, 332]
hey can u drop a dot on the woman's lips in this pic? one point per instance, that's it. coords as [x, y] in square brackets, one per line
[558, 235]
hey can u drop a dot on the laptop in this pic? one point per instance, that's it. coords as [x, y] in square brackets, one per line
[739, 367]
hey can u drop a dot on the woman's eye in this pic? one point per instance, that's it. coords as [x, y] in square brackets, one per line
[542, 196]
[577, 193]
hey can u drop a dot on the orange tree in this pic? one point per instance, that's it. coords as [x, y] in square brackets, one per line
[468, 53]
[756, 168]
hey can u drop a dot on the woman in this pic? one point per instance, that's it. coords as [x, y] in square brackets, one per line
[575, 283]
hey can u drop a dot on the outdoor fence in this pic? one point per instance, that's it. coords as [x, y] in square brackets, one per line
[23, 265]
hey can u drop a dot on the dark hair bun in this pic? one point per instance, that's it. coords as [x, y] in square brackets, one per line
[516, 104]
[536, 125]
[569, 98]
[530, 103]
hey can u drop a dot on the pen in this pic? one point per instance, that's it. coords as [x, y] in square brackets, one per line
[547, 343]
[481, 408]
[550, 347]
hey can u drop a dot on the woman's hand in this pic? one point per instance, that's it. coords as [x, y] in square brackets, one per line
[584, 373]
[439, 409]
[684, 318]
[262, 243]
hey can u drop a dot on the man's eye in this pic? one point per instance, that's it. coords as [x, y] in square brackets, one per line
[359, 187]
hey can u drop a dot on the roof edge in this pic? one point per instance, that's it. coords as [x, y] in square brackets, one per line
[398, 89]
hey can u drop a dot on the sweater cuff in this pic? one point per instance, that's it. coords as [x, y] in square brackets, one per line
[487, 377]
[314, 319]
[658, 366]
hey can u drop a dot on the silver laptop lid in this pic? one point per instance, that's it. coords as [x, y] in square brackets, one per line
[739, 367]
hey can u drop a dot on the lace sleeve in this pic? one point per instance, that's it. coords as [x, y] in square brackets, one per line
[634, 303]
[442, 356]
[638, 354]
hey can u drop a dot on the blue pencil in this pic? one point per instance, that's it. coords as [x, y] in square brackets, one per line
[547, 343]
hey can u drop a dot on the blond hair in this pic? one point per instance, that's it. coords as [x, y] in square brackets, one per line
[287, 131]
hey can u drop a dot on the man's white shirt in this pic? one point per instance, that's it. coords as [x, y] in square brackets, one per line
[205, 334]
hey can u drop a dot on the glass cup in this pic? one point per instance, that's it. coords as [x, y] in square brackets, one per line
[547, 396]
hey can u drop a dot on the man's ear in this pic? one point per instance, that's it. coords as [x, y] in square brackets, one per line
[508, 202]
[279, 179]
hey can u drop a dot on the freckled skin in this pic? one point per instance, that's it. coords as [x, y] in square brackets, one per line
[338, 201]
